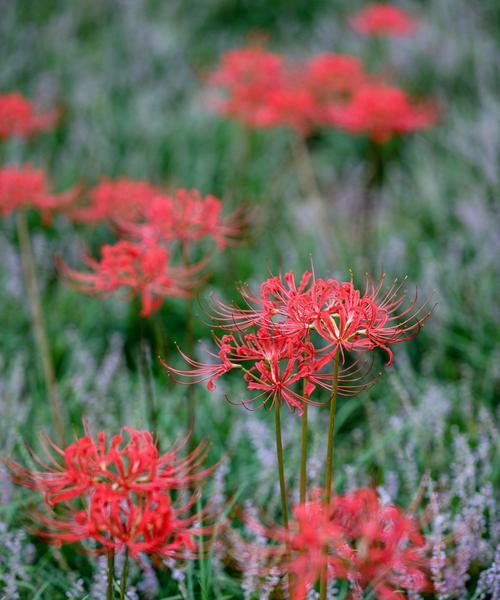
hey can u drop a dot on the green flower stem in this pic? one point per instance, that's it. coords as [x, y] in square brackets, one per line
[329, 458]
[124, 577]
[281, 472]
[38, 323]
[111, 574]
[303, 456]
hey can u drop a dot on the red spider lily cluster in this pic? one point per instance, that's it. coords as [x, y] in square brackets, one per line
[289, 333]
[383, 19]
[381, 111]
[121, 199]
[159, 228]
[357, 539]
[263, 89]
[140, 269]
[24, 187]
[117, 493]
[19, 118]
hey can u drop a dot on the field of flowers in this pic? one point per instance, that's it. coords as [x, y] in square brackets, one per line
[249, 300]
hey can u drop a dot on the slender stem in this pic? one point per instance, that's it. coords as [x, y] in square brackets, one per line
[145, 365]
[124, 577]
[376, 173]
[281, 468]
[312, 193]
[303, 456]
[111, 574]
[38, 323]
[191, 412]
[281, 474]
[305, 168]
[329, 458]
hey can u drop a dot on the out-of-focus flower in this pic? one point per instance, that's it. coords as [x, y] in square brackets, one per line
[381, 546]
[188, 217]
[24, 187]
[118, 495]
[19, 118]
[121, 199]
[383, 19]
[332, 79]
[382, 111]
[129, 461]
[244, 78]
[357, 539]
[142, 269]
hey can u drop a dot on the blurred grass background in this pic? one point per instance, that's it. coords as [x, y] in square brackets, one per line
[128, 76]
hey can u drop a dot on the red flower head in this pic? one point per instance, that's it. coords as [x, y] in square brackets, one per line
[122, 199]
[381, 546]
[245, 77]
[188, 217]
[18, 117]
[383, 19]
[147, 523]
[141, 268]
[356, 539]
[127, 462]
[118, 494]
[23, 187]
[290, 332]
[332, 79]
[358, 320]
[381, 111]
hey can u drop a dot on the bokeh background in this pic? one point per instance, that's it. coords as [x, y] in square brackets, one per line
[128, 77]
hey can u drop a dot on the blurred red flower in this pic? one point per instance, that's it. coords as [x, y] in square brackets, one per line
[19, 118]
[141, 268]
[356, 538]
[244, 79]
[122, 198]
[332, 79]
[24, 187]
[382, 111]
[383, 19]
[188, 217]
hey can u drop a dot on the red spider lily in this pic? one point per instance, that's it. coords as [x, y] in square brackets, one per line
[360, 321]
[245, 77]
[121, 199]
[188, 217]
[141, 268]
[19, 118]
[383, 19]
[279, 300]
[332, 79]
[290, 333]
[347, 318]
[333, 76]
[24, 187]
[271, 364]
[128, 462]
[117, 494]
[382, 111]
[148, 523]
[382, 547]
[356, 539]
